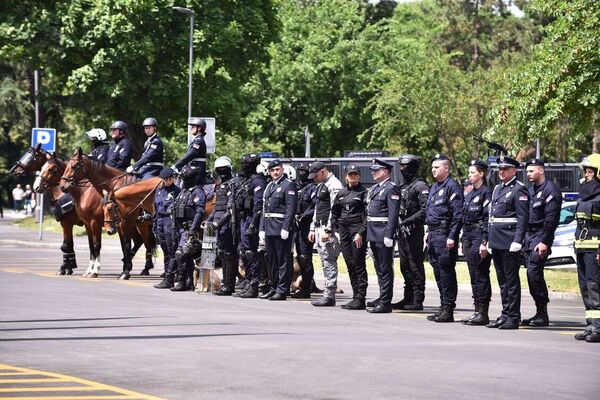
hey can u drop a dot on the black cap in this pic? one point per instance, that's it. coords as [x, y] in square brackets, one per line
[479, 164]
[274, 163]
[440, 157]
[351, 168]
[314, 168]
[166, 173]
[378, 164]
[505, 161]
[535, 161]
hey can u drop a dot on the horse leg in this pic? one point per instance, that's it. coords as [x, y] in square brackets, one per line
[137, 241]
[90, 268]
[95, 247]
[150, 245]
[67, 248]
[125, 237]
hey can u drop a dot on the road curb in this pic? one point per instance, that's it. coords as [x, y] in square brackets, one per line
[53, 245]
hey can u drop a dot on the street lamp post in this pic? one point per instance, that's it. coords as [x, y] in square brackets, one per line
[191, 14]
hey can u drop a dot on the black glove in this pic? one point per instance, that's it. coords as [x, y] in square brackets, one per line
[251, 230]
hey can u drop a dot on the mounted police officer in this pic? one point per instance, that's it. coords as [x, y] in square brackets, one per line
[277, 229]
[444, 220]
[587, 246]
[163, 225]
[188, 210]
[321, 232]
[413, 203]
[509, 217]
[119, 154]
[544, 216]
[383, 205]
[223, 221]
[151, 161]
[99, 145]
[474, 242]
[349, 220]
[196, 151]
[248, 206]
[304, 215]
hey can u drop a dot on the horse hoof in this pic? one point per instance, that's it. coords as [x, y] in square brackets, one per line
[69, 271]
[145, 272]
[61, 272]
[94, 275]
[124, 276]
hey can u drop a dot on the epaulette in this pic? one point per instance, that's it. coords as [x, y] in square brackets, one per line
[520, 183]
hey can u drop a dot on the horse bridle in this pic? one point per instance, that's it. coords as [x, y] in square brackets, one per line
[71, 179]
[113, 211]
[28, 159]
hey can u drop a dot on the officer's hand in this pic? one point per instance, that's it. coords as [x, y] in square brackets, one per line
[598, 258]
[483, 251]
[261, 236]
[489, 249]
[129, 169]
[203, 225]
[542, 250]
[311, 236]
[284, 234]
[358, 241]
[251, 230]
[515, 247]
[450, 244]
[388, 242]
[325, 237]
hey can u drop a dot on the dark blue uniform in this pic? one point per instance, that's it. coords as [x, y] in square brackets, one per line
[119, 154]
[307, 200]
[509, 217]
[99, 152]
[163, 224]
[544, 215]
[444, 220]
[151, 161]
[475, 233]
[383, 205]
[195, 157]
[279, 211]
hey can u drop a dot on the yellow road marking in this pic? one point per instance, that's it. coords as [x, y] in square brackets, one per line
[76, 397]
[13, 373]
[14, 270]
[49, 389]
[33, 380]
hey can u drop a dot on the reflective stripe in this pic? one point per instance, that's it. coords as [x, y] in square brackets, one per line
[595, 314]
[377, 219]
[155, 163]
[581, 215]
[593, 243]
[503, 220]
[198, 159]
[274, 215]
[595, 217]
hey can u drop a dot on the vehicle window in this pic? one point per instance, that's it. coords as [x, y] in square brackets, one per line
[567, 215]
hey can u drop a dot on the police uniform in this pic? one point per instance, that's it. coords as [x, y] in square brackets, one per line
[444, 220]
[119, 154]
[151, 161]
[321, 225]
[99, 151]
[383, 204]
[195, 156]
[163, 226]
[348, 218]
[509, 217]
[279, 208]
[544, 216]
[304, 215]
[475, 234]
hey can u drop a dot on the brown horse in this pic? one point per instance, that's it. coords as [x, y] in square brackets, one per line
[108, 179]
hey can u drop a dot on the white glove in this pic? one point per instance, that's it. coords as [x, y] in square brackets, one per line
[489, 249]
[284, 234]
[514, 247]
[261, 236]
[129, 169]
[388, 242]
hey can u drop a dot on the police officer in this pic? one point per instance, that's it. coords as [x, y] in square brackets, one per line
[413, 202]
[383, 206]
[163, 225]
[99, 145]
[544, 216]
[196, 151]
[188, 210]
[587, 246]
[304, 215]
[474, 242]
[119, 154]
[277, 229]
[444, 219]
[509, 216]
[151, 161]
[349, 219]
[223, 223]
[249, 205]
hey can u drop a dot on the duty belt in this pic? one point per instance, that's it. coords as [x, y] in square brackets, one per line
[534, 229]
[503, 220]
[274, 215]
[471, 226]
[198, 159]
[377, 219]
[155, 163]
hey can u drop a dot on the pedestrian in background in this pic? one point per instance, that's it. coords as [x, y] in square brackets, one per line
[17, 195]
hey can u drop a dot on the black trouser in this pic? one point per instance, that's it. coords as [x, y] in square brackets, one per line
[410, 250]
[479, 268]
[384, 266]
[507, 270]
[304, 252]
[535, 269]
[588, 274]
[355, 259]
[165, 236]
[279, 251]
[443, 262]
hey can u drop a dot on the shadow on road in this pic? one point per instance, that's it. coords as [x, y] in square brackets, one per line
[139, 337]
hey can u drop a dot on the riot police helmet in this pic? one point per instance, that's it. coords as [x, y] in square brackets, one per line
[189, 176]
[249, 163]
[409, 164]
[290, 172]
[223, 166]
[96, 134]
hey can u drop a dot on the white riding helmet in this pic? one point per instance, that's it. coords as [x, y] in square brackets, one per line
[262, 169]
[96, 134]
[223, 161]
[290, 172]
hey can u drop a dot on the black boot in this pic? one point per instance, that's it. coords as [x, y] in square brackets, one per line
[251, 292]
[229, 274]
[433, 316]
[447, 315]
[357, 303]
[470, 317]
[166, 283]
[181, 284]
[540, 318]
[482, 317]
[401, 304]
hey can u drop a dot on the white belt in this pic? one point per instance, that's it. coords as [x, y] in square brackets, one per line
[198, 159]
[503, 220]
[274, 215]
[155, 163]
[377, 219]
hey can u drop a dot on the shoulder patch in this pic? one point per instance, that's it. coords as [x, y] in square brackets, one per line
[153, 146]
[122, 150]
[549, 198]
[291, 192]
[195, 145]
[452, 196]
[257, 189]
[425, 191]
[522, 198]
[395, 197]
[485, 203]
[520, 183]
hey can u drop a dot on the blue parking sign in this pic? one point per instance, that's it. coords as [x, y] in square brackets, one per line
[45, 136]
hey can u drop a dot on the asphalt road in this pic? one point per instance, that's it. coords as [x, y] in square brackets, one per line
[189, 345]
